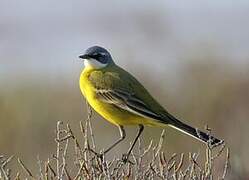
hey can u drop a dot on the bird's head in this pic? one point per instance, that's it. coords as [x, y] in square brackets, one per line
[96, 57]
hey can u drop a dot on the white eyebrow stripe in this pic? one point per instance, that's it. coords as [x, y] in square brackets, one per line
[102, 53]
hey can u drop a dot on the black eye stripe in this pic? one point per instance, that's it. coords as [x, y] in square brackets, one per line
[101, 57]
[96, 56]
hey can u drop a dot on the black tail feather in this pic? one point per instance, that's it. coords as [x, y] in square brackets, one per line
[194, 132]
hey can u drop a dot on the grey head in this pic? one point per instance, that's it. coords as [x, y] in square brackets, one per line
[98, 54]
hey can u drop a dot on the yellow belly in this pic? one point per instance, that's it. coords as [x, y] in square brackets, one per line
[110, 112]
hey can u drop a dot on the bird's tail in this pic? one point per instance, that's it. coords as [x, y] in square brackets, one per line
[202, 136]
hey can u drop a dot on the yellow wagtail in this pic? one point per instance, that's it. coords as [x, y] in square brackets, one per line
[122, 100]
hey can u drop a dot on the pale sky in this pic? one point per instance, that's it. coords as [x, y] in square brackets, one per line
[45, 37]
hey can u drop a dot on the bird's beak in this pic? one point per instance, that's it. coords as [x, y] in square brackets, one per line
[84, 56]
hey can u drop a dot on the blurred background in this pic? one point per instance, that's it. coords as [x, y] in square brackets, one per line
[193, 56]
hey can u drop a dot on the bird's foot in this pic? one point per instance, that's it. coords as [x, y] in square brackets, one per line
[125, 159]
[96, 154]
[100, 155]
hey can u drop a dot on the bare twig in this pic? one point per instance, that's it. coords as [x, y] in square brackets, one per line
[40, 167]
[28, 172]
[89, 116]
[149, 162]
[226, 164]
[58, 132]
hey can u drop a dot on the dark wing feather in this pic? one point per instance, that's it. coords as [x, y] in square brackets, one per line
[116, 86]
[127, 101]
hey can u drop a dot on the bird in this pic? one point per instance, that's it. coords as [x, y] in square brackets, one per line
[122, 100]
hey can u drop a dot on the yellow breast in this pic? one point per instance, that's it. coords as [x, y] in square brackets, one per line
[110, 112]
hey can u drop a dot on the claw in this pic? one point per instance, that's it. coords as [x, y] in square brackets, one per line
[100, 155]
[125, 159]
[97, 155]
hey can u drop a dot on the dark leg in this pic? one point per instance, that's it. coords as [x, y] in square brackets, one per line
[122, 137]
[140, 130]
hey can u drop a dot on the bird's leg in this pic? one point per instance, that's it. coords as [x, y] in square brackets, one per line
[126, 156]
[122, 137]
